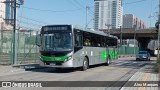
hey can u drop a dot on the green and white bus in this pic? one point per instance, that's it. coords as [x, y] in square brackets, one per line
[63, 46]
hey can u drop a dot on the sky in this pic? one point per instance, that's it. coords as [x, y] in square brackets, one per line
[35, 13]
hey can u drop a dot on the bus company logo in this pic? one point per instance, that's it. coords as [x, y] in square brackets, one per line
[6, 84]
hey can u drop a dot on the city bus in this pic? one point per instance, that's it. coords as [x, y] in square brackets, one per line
[63, 46]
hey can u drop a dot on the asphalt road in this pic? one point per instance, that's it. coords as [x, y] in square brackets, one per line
[119, 70]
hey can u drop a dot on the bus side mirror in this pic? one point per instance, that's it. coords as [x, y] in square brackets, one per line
[38, 40]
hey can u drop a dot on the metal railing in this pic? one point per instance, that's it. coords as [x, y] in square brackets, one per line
[27, 51]
[126, 50]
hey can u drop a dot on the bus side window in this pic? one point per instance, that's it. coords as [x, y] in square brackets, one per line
[87, 42]
[78, 40]
[87, 39]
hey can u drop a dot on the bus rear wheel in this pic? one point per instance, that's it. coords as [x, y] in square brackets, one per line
[107, 61]
[85, 64]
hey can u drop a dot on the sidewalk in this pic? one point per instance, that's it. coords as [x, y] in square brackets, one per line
[145, 74]
[14, 69]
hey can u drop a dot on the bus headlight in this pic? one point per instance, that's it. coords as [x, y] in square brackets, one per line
[69, 57]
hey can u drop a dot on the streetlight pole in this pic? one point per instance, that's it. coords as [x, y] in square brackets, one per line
[108, 26]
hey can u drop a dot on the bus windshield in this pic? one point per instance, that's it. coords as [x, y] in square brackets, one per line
[57, 41]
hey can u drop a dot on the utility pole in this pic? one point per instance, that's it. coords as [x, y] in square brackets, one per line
[120, 36]
[158, 32]
[134, 39]
[87, 8]
[14, 46]
[1, 40]
[120, 46]
[14, 34]
[158, 43]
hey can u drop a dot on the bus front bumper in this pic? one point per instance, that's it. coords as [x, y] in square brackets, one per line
[67, 64]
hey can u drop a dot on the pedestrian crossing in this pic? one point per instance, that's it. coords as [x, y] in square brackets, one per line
[131, 63]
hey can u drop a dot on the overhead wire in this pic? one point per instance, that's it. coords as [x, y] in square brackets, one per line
[76, 2]
[43, 10]
[20, 16]
[125, 3]
[134, 2]
[20, 21]
[84, 10]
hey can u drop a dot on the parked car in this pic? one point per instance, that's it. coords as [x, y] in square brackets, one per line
[143, 55]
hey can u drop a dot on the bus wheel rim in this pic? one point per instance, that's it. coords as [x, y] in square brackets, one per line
[108, 61]
[85, 64]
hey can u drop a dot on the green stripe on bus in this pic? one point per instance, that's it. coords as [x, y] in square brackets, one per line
[49, 58]
[104, 55]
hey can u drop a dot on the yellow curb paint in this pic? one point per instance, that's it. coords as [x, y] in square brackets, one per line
[145, 78]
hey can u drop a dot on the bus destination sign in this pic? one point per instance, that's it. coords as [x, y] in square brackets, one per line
[53, 28]
[56, 27]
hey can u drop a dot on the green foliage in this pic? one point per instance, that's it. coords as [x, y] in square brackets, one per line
[158, 66]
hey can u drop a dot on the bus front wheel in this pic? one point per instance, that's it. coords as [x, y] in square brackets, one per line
[85, 64]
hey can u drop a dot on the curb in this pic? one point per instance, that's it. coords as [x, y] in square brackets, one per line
[27, 66]
[124, 56]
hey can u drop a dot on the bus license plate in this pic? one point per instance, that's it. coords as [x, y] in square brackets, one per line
[52, 64]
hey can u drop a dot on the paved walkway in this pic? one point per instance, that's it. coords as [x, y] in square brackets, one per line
[143, 79]
[14, 69]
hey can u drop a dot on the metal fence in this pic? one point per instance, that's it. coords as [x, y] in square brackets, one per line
[126, 50]
[27, 51]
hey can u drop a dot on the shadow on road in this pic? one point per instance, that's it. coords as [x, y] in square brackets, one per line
[131, 64]
[37, 68]
[116, 63]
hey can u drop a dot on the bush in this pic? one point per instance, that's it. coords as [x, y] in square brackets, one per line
[158, 66]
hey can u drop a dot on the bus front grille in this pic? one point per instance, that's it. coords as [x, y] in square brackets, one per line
[53, 63]
[54, 54]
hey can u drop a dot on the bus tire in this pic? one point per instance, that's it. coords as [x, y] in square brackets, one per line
[85, 64]
[108, 61]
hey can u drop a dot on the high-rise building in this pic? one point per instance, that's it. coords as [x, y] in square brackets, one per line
[6, 14]
[107, 14]
[131, 21]
[9, 12]
[2, 13]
